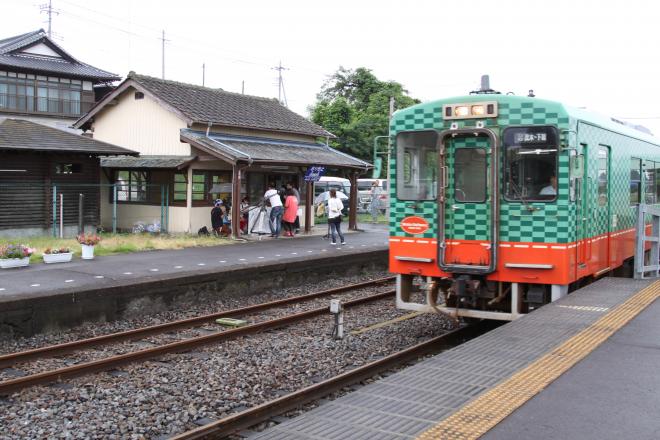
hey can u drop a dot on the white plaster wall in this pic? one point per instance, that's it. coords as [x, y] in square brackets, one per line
[142, 125]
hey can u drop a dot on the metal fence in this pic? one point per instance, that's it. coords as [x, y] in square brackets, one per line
[30, 208]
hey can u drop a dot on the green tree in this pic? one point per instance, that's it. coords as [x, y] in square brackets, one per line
[354, 106]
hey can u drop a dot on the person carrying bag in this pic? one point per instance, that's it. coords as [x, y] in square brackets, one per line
[335, 207]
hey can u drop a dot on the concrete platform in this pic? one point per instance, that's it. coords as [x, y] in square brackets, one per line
[608, 391]
[45, 297]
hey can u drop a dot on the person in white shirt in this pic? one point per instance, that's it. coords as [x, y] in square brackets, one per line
[273, 197]
[335, 207]
[551, 189]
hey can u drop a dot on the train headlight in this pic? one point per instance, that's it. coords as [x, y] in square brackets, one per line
[487, 109]
[461, 111]
[478, 110]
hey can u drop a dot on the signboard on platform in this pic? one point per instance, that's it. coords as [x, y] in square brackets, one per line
[313, 174]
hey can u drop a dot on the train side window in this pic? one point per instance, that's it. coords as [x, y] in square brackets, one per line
[417, 163]
[603, 176]
[470, 167]
[635, 181]
[530, 163]
[649, 182]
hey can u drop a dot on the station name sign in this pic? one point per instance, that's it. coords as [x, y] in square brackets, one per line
[314, 173]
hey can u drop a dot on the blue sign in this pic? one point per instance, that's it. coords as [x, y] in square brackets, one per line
[313, 174]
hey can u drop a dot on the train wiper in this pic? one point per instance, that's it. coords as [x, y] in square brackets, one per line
[519, 195]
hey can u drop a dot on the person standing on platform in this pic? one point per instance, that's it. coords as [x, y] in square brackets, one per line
[290, 213]
[273, 197]
[374, 208]
[335, 207]
[296, 224]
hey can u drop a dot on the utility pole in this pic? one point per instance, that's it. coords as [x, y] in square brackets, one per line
[163, 40]
[243, 87]
[203, 74]
[280, 84]
[48, 9]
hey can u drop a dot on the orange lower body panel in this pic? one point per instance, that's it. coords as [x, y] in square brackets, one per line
[537, 263]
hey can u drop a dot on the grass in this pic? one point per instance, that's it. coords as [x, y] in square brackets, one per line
[361, 219]
[112, 244]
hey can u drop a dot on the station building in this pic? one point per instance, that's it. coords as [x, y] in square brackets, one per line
[201, 144]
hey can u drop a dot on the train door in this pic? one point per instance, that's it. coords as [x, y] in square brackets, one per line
[468, 201]
[582, 216]
[602, 217]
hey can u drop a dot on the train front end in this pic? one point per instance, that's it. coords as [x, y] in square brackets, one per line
[478, 195]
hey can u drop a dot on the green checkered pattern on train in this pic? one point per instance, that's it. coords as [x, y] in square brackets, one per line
[469, 221]
[551, 222]
[427, 118]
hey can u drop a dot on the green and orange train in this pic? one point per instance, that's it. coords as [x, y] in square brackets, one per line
[500, 204]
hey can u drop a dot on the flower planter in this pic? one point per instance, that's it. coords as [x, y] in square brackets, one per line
[87, 252]
[7, 263]
[63, 257]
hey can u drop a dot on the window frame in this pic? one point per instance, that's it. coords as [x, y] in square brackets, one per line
[400, 167]
[505, 165]
[485, 175]
[129, 186]
[639, 181]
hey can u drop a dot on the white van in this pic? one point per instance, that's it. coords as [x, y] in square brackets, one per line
[326, 183]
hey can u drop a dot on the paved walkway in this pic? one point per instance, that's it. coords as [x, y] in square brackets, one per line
[45, 279]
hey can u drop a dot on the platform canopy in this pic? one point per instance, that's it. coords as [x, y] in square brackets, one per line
[255, 150]
[164, 162]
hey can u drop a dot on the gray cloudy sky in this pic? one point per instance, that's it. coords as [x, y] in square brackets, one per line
[597, 54]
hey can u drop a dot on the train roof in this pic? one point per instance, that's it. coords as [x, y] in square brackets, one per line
[580, 114]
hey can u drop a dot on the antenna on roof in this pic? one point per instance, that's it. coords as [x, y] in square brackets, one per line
[485, 87]
[280, 84]
[48, 9]
[203, 73]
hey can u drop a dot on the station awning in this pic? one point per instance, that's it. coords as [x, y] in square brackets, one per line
[165, 162]
[270, 151]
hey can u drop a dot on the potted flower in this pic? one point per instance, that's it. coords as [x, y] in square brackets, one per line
[58, 255]
[14, 255]
[88, 241]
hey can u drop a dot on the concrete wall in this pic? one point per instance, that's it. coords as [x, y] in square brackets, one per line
[127, 299]
[142, 125]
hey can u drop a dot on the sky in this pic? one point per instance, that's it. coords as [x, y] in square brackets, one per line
[602, 55]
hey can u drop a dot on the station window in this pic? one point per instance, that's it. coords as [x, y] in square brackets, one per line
[68, 168]
[470, 175]
[530, 168]
[199, 186]
[417, 164]
[635, 181]
[649, 175]
[131, 186]
[180, 187]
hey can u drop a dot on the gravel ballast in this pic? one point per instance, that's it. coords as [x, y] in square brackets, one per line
[178, 392]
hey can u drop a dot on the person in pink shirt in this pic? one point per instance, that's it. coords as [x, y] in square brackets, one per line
[290, 213]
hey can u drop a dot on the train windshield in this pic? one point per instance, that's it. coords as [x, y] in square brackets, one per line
[530, 163]
[417, 165]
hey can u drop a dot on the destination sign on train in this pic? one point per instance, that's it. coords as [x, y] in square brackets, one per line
[522, 138]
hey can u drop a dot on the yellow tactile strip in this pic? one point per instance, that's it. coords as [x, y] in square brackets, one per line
[482, 414]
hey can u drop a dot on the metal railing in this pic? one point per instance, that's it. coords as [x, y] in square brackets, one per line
[647, 214]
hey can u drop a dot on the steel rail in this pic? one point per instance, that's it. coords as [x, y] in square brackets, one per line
[265, 411]
[12, 385]
[67, 347]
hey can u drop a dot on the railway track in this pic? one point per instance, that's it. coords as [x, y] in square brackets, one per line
[112, 362]
[253, 416]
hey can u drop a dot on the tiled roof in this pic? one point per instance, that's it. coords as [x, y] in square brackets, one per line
[11, 57]
[19, 134]
[146, 161]
[204, 104]
[271, 151]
